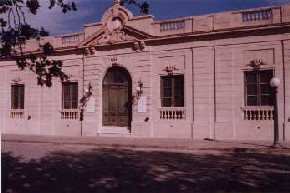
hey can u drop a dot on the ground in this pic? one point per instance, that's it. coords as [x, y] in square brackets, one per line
[55, 167]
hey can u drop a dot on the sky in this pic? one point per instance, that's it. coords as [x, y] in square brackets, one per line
[91, 11]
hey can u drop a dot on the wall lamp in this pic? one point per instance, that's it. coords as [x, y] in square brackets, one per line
[84, 100]
[139, 90]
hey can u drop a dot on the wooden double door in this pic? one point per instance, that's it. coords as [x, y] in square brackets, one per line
[117, 98]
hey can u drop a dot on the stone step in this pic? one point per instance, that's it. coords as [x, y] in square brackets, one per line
[114, 132]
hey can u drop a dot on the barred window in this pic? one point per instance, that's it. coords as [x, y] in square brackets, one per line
[172, 91]
[257, 88]
[70, 95]
[17, 96]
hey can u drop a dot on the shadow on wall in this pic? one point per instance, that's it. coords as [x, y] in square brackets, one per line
[120, 170]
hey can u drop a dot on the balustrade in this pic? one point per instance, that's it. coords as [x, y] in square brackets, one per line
[70, 114]
[257, 15]
[172, 25]
[70, 39]
[17, 113]
[172, 113]
[258, 113]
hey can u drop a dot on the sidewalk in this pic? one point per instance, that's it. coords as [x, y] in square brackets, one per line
[130, 142]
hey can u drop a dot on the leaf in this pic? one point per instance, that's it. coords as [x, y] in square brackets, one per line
[33, 6]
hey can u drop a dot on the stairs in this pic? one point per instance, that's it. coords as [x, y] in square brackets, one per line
[114, 132]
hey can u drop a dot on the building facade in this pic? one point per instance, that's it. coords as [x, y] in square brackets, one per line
[194, 77]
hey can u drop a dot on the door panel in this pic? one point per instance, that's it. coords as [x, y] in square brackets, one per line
[116, 92]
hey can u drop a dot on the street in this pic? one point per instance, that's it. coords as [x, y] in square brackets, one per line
[52, 168]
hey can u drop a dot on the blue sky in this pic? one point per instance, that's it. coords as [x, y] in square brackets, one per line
[91, 11]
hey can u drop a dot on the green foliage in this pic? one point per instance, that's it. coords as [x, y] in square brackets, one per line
[44, 68]
[144, 6]
[15, 31]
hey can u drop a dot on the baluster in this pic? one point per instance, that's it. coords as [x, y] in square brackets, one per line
[269, 14]
[260, 114]
[248, 17]
[173, 115]
[254, 16]
[245, 17]
[271, 116]
[255, 115]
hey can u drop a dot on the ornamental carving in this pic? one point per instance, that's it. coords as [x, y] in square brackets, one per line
[256, 64]
[139, 45]
[115, 29]
[170, 69]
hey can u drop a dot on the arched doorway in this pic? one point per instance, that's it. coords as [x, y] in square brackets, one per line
[117, 96]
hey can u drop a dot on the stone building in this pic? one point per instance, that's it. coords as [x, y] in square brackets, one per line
[194, 77]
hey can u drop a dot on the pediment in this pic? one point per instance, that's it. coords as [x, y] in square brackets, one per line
[123, 35]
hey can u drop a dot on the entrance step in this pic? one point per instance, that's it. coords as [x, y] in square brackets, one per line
[114, 132]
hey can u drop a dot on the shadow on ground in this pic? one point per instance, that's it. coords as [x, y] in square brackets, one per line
[121, 170]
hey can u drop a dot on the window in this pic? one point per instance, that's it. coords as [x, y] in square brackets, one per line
[172, 91]
[70, 95]
[17, 96]
[257, 88]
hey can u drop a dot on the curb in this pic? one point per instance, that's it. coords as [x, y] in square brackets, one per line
[190, 147]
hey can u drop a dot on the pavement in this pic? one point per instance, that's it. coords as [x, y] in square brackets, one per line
[158, 143]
